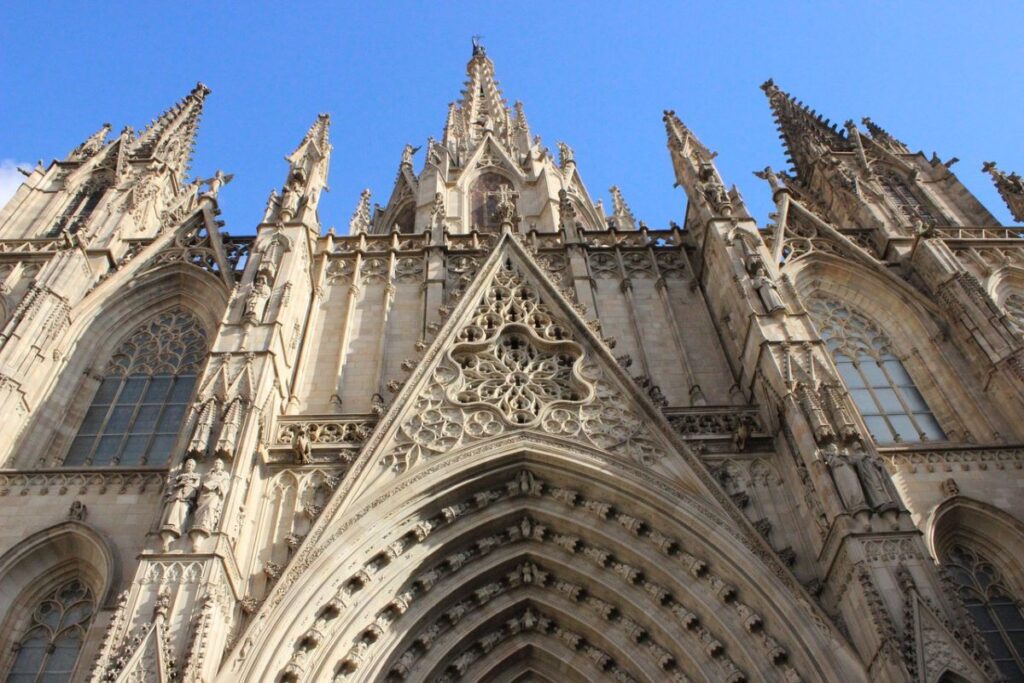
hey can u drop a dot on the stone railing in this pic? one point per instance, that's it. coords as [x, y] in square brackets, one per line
[329, 438]
[719, 429]
[350, 244]
[953, 458]
[32, 246]
[979, 233]
[79, 481]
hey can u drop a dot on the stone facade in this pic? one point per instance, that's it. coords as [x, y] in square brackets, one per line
[496, 434]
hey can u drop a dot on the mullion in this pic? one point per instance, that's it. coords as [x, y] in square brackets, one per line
[903, 401]
[164, 404]
[106, 420]
[131, 420]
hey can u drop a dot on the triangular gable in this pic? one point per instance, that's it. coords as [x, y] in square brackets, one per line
[491, 154]
[515, 357]
[937, 650]
[148, 660]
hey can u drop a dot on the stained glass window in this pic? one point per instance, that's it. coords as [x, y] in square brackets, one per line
[996, 612]
[49, 647]
[884, 392]
[142, 400]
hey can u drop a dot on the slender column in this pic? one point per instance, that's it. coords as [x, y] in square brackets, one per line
[382, 337]
[627, 292]
[316, 299]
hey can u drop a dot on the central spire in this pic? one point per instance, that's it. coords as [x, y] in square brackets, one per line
[483, 110]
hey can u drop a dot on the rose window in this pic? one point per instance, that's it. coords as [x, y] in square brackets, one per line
[519, 378]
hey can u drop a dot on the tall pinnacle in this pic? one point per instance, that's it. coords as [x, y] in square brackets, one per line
[91, 145]
[805, 134]
[682, 139]
[622, 215]
[482, 109]
[360, 221]
[171, 137]
[884, 138]
[1010, 187]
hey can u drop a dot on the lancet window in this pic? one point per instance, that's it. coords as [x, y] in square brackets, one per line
[48, 647]
[884, 392]
[905, 200]
[136, 414]
[997, 613]
[405, 221]
[78, 210]
[483, 198]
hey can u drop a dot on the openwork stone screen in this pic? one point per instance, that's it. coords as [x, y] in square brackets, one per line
[886, 396]
[138, 409]
[49, 647]
[996, 612]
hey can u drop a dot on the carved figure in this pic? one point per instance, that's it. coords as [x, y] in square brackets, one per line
[766, 288]
[292, 194]
[256, 304]
[211, 498]
[844, 473]
[301, 448]
[214, 184]
[407, 153]
[871, 478]
[181, 495]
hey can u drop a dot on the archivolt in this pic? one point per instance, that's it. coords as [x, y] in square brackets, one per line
[439, 580]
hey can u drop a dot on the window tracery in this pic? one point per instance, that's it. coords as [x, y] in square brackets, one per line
[48, 648]
[884, 392]
[997, 613]
[484, 197]
[138, 409]
[906, 201]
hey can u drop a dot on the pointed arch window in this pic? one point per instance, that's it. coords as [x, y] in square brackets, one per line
[903, 197]
[884, 392]
[405, 220]
[136, 414]
[483, 200]
[48, 648]
[997, 613]
[81, 206]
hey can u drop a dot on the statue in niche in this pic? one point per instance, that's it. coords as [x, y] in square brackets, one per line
[301, 448]
[844, 474]
[211, 500]
[182, 489]
[256, 303]
[872, 478]
[859, 478]
[766, 288]
[292, 193]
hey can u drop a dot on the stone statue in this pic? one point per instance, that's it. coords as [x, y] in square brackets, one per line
[505, 210]
[407, 153]
[766, 288]
[211, 498]
[844, 473]
[256, 304]
[872, 478]
[214, 184]
[565, 153]
[301, 447]
[181, 495]
[437, 211]
[292, 193]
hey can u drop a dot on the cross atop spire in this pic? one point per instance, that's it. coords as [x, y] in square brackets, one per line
[171, 137]
[805, 134]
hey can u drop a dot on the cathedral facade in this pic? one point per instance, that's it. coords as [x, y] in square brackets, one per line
[499, 431]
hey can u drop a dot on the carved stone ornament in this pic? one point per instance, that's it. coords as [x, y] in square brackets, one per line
[515, 365]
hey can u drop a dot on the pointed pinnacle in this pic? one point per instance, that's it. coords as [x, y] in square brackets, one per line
[318, 133]
[1010, 187]
[360, 221]
[173, 133]
[621, 212]
[805, 134]
[883, 137]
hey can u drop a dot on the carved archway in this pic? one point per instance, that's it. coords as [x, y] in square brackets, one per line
[663, 587]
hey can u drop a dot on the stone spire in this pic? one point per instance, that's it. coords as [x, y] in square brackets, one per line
[307, 171]
[884, 138]
[171, 137]
[622, 215]
[695, 170]
[482, 109]
[360, 221]
[1011, 188]
[805, 134]
[92, 144]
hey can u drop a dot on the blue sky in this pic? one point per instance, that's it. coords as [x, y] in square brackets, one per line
[942, 76]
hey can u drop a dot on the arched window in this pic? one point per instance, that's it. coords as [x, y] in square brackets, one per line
[483, 198]
[138, 409]
[48, 648]
[885, 394]
[994, 609]
[904, 198]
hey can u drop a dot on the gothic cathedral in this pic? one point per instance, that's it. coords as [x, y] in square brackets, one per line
[500, 432]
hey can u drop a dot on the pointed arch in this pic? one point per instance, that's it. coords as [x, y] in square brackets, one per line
[44, 563]
[671, 587]
[911, 323]
[95, 334]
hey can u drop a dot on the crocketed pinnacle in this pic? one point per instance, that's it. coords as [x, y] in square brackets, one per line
[171, 137]
[318, 135]
[360, 221]
[805, 134]
[622, 215]
[1010, 187]
[884, 138]
[679, 136]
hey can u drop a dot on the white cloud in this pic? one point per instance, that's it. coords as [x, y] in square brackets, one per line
[10, 178]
